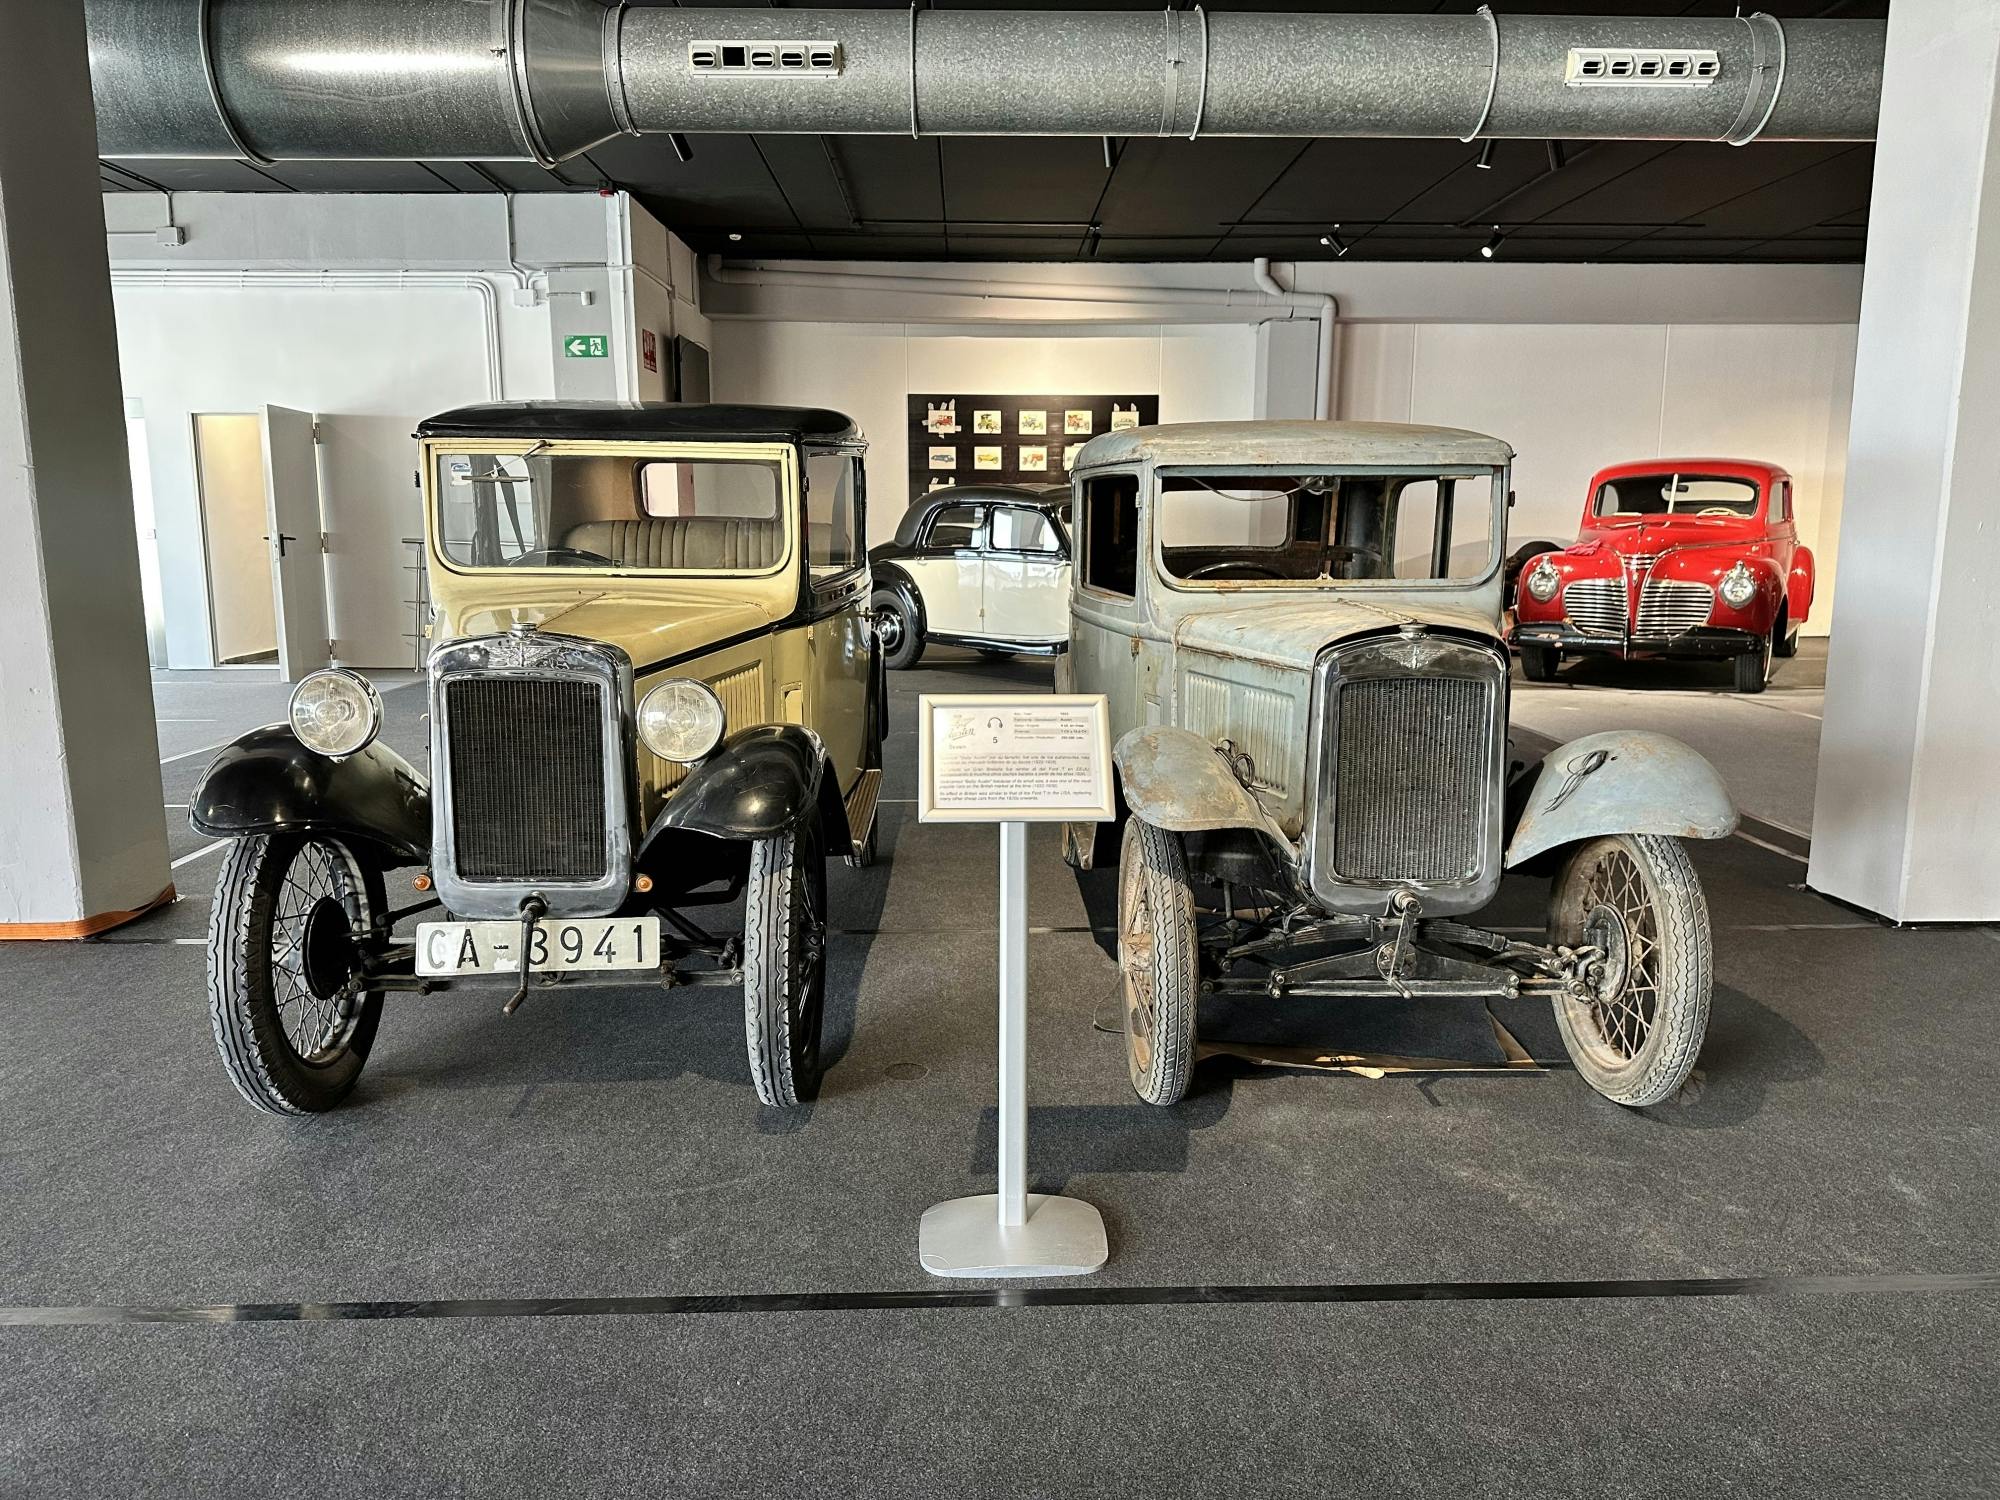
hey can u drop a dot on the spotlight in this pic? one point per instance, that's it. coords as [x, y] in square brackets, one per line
[1492, 246]
[1485, 162]
[680, 144]
[1556, 157]
[734, 237]
[1091, 242]
[1334, 242]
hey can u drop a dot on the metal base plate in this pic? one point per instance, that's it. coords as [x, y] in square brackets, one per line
[964, 1237]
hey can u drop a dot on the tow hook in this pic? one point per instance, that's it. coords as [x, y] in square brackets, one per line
[533, 909]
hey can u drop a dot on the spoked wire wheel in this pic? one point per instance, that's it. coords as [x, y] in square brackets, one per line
[1159, 962]
[293, 920]
[1637, 1027]
[784, 964]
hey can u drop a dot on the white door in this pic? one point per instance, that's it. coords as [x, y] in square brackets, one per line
[1026, 593]
[946, 567]
[297, 543]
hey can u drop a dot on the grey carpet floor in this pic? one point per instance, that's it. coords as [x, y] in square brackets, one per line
[1841, 1122]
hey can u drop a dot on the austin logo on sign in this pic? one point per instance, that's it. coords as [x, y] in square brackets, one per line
[649, 350]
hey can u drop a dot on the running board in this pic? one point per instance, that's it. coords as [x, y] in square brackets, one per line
[861, 803]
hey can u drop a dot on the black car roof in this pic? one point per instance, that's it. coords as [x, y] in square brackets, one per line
[663, 421]
[975, 494]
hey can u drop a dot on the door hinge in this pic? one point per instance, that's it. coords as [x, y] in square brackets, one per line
[319, 433]
[332, 649]
[325, 545]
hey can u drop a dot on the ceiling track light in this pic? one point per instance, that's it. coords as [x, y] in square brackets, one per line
[1556, 157]
[1492, 247]
[1485, 162]
[680, 144]
[1091, 241]
[1334, 242]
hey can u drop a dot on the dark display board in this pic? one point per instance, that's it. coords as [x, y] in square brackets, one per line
[961, 439]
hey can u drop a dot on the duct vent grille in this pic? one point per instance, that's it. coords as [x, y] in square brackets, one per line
[1642, 67]
[764, 59]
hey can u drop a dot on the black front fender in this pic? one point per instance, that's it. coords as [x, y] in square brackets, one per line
[267, 782]
[759, 783]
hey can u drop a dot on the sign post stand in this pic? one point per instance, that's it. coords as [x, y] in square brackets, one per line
[1013, 1232]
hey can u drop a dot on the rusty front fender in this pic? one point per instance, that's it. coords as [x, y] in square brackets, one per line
[1174, 779]
[1622, 781]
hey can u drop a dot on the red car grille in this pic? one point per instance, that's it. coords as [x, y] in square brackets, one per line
[1596, 605]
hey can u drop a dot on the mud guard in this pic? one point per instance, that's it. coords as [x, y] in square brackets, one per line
[1174, 779]
[1641, 783]
[761, 782]
[268, 782]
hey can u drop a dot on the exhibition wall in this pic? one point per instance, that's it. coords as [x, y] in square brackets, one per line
[371, 311]
[1570, 397]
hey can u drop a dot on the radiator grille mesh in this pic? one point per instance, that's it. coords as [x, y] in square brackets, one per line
[526, 778]
[1410, 781]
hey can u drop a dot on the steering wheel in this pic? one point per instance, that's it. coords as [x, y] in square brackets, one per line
[1716, 510]
[1235, 567]
[542, 556]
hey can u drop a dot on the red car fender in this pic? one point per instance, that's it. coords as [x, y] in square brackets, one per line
[1707, 564]
[1800, 585]
[1585, 560]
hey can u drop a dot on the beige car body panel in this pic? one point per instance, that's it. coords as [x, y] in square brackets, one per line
[739, 632]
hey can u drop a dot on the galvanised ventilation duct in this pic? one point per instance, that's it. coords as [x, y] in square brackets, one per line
[543, 80]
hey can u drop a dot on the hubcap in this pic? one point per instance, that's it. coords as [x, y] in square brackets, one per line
[314, 955]
[889, 628]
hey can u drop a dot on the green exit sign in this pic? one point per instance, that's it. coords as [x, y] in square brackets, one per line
[587, 346]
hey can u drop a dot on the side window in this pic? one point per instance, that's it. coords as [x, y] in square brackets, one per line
[1109, 527]
[1443, 528]
[955, 526]
[1019, 530]
[832, 513]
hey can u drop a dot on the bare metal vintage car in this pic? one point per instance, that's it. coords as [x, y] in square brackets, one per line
[1298, 626]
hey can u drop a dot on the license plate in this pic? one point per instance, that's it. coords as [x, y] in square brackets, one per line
[559, 945]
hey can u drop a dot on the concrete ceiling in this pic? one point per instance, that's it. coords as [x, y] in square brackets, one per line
[964, 198]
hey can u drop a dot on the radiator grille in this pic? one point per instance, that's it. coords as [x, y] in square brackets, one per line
[1596, 605]
[1668, 606]
[1410, 781]
[526, 778]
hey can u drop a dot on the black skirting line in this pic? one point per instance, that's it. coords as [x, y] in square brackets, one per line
[1057, 1296]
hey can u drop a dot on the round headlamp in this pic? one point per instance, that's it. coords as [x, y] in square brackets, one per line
[1544, 580]
[1738, 586]
[681, 720]
[335, 712]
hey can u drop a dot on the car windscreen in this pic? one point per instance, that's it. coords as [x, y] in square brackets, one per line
[1260, 527]
[609, 511]
[1676, 495]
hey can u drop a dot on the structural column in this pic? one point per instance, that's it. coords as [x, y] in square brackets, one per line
[82, 832]
[1907, 817]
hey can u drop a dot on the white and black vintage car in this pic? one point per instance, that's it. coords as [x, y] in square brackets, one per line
[1298, 626]
[655, 695]
[978, 565]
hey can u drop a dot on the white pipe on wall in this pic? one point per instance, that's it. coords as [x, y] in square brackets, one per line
[1146, 304]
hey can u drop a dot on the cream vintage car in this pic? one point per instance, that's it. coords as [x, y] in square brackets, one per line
[1298, 626]
[654, 692]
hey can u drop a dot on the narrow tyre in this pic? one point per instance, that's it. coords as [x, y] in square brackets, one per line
[292, 922]
[899, 628]
[1636, 1033]
[1753, 667]
[784, 963]
[1538, 663]
[1159, 962]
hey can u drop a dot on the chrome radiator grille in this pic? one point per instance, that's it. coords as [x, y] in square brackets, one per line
[1411, 778]
[1668, 606]
[1596, 605]
[526, 778]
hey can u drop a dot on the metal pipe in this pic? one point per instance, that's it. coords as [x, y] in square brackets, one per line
[1329, 311]
[546, 79]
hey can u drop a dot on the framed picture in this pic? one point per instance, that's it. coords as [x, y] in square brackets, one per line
[937, 419]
